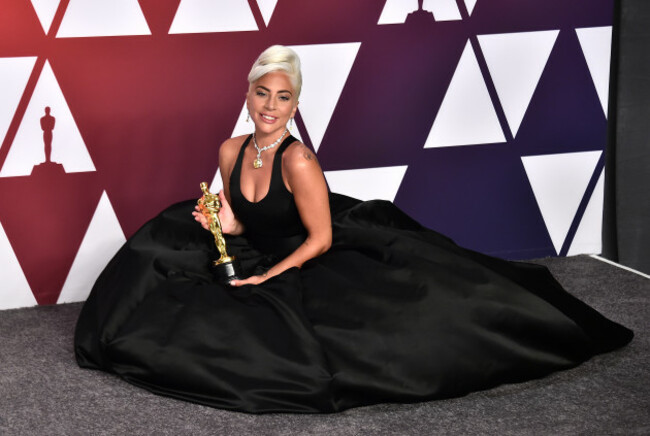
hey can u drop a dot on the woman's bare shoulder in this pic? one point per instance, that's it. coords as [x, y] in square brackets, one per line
[230, 148]
[233, 144]
[299, 157]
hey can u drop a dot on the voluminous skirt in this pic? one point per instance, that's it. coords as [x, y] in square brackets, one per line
[393, 312]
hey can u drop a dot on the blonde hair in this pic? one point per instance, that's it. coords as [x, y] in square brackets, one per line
[278, 58]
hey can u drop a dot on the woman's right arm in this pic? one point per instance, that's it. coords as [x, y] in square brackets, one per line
[230, 225]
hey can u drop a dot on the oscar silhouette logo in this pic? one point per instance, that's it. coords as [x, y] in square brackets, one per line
[420, 16]
[226, 268]
[47, 125]
[48, 166]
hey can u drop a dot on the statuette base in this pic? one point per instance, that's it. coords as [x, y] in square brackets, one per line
[224, 272]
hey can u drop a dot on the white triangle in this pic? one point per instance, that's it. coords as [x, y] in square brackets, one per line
[243, 127]
[469, 4]
[443, 10]
[68, 147]
[596, 43]
[395, 11]
[207, 16]
[466, 115]
[45, 9]
[328, 67]
[14, 289]
[588, 237]
[85, 18]
[15, 73]
[217, 182]
[103, 239]
[559, 182]
[368, 183]
[266, 8]
[516, 62]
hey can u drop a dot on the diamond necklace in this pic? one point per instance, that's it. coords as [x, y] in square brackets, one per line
[257, 163]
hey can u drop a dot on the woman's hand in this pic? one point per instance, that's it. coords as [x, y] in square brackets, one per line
[229, 224]
[252, 280]
[200, 218]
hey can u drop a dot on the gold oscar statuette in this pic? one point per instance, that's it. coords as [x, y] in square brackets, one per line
[226, 268]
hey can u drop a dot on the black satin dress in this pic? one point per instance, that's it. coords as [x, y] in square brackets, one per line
[393, 312]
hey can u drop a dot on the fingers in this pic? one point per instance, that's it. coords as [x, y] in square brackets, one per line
[222, 198]
[198, 215]
[201, 219]
[252, 280]
[238, 283]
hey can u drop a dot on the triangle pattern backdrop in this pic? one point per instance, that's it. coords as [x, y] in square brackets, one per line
[103, 18]
[266, 8]
[470, 115]
[45, 9]
[14, 289]
[559, 182]
[328, 66]
[596, 44]
[367, 183]
[68, 147]
[102, 240]
[469, 4]
[516, 62]
[591, 223]
[205, 16]
[466, 116]
[14, 72]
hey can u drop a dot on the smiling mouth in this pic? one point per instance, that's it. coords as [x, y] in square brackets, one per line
[268, 117]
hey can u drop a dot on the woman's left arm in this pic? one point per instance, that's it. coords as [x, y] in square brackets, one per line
[307, 183]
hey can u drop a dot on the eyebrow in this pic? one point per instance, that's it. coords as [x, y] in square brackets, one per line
[268, 90]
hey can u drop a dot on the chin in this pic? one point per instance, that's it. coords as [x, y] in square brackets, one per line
[271, 128]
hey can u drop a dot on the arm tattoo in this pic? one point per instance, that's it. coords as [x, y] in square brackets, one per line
[306, 153]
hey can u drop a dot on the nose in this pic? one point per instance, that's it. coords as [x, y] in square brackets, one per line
[269, 103]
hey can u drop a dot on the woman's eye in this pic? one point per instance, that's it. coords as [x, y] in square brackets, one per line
[261, 94]
[284, 98]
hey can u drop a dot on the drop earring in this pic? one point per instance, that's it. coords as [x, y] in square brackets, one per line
[290, 123]
[248, 117]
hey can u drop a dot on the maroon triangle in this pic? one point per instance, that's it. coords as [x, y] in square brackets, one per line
[46, 216]
[20, 29]
[159, 14]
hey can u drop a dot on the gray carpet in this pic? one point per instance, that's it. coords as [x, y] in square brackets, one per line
[43, 392]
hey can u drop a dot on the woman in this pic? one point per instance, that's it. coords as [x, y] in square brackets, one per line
[272, 100]
[346, 303]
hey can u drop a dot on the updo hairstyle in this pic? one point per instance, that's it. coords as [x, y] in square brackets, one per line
[278, 58]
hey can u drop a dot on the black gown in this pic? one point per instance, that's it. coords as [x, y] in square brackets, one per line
[393, 312]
